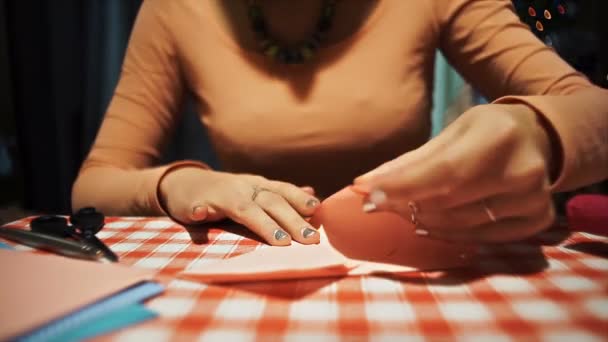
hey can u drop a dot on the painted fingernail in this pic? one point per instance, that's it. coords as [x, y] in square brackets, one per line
[378, 197]
[308, 232]
[368, 207]
[421, 232]
[280, 234]
[312, 203]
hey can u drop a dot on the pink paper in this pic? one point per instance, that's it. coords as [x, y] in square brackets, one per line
[36, 289]
[352, 243]
[295, 261]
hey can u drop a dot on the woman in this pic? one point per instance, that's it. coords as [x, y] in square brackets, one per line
[304, 97]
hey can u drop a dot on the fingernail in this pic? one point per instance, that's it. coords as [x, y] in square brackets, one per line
[421, 232]
[378, 197]
[368, 207]
[309, 189]
[308, 232]
[280, 234]
[312, 203]
[198, 212]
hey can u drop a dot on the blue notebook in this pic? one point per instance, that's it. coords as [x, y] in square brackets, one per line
[108, 314]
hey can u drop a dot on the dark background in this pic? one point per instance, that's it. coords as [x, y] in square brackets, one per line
[60, 61]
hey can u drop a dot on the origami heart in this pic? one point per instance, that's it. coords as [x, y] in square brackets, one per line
[383, 237]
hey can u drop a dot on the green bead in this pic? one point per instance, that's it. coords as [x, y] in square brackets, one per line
[255, 12]
[272, 51]
[306, 52]
[265, 43]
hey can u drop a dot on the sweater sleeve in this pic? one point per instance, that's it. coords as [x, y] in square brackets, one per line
[498, 55]
[120, 176]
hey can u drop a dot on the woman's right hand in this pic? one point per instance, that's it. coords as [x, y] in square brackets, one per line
[272, 209]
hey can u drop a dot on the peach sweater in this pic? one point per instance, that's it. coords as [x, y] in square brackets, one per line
[363, 101]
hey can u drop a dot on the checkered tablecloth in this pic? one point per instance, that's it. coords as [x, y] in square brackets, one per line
[551, 288]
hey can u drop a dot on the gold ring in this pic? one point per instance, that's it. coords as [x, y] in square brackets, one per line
[257, 190]
[489, 212]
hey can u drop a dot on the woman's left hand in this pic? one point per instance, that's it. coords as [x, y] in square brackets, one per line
[483, 179]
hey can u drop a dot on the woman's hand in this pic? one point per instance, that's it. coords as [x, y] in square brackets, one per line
[274, 210]
[483, 179]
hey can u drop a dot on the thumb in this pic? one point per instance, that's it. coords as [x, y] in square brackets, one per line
[199, 213]
[408, 161]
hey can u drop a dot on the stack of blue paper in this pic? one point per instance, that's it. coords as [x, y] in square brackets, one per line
[109, 314]
[52, 298]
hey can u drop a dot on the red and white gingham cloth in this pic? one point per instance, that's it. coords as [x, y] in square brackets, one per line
[547, 289]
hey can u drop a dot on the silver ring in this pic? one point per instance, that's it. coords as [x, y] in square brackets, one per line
[257, 190]
[419, 228]
[413, 211]
[489, 212]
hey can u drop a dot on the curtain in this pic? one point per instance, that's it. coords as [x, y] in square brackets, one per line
[9, 181]
[65, 58]
[451, 96]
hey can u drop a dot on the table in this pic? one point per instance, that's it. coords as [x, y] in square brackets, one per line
[553, 287]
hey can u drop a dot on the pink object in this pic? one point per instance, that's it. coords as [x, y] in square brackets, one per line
[352, 243]
[38, 288]
[383, 237]
[588, 213]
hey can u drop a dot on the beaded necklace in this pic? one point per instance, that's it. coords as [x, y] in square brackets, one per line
[298, 53]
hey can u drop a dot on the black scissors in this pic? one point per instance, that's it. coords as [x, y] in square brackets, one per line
[85, 223]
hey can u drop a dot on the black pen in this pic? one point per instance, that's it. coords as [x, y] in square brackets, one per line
[51, 243]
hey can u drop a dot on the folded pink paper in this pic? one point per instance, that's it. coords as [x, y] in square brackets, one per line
[36, 289]
[352, 243]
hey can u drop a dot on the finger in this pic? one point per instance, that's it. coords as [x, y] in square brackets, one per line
[249, 214]
[457, 194]
[286, 216]
[414, 165]
[199, 213]
[507, 230]
[305, 204]
[308, 189]
[459, 172]
[189, 214]
[441, 142]
[411, 174]
[474, 192]
[499, 207]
